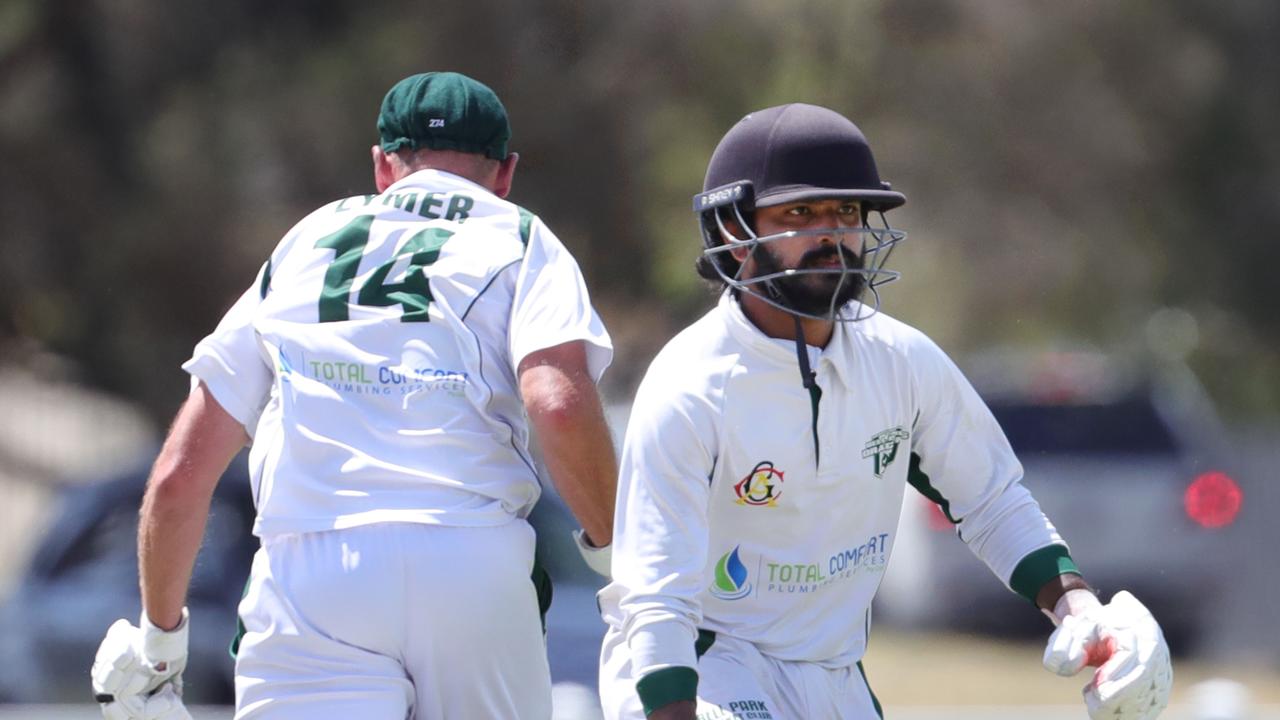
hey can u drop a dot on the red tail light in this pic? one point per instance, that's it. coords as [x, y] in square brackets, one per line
[1213, 500]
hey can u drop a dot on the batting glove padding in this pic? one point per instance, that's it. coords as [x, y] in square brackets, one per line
[163, 704]
[1134, 675]
[137, 661]
[598, 558]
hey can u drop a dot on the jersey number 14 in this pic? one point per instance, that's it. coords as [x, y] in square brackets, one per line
[413, 292]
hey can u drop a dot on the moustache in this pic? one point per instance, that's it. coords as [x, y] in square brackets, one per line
[828, 252]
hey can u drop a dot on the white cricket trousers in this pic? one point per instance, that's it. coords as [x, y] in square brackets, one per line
[393, 621]
[738, 682]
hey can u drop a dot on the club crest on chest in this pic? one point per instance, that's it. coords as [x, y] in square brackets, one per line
[761, 487]
[882, 448]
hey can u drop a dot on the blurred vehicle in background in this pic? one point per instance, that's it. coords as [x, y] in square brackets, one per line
[84, 575]
[1128, 463]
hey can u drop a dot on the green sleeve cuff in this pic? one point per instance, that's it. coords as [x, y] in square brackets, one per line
[1038, 568]
[665, 686]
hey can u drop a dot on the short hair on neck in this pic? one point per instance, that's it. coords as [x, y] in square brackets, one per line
[473, 166]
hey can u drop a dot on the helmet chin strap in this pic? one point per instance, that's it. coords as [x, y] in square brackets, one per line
[807, 376]
[810, 380]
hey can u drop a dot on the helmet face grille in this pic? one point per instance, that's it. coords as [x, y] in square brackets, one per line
[875, 244]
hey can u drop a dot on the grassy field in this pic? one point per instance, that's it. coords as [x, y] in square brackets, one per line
[943, 669]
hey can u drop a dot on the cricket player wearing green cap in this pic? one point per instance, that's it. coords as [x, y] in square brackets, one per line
[386, 367]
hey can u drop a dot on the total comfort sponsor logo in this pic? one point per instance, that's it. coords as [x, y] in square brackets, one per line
[761, 486]
[788, 578]
[731, 580]
[364, 379]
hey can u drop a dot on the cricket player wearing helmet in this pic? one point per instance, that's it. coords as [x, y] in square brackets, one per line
[386, 366]
[769, 449]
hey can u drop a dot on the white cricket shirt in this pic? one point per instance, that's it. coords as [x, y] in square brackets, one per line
[374, 360]
[742, 512]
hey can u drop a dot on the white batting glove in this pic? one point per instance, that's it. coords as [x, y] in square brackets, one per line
[598, 559]
[1122, 639]
[163, 704]
[136, 661]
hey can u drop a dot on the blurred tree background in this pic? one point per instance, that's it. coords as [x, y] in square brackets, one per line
[1071, 168]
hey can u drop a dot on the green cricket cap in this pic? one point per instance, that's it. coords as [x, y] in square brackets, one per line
[444, 111]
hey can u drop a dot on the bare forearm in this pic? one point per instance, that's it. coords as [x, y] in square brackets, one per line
[169, 535]
[564, 409]
[579, 455]
[1053, 590]
[199, 447]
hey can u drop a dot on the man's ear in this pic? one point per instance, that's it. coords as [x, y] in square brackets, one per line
[506, 175]
[383, 175]
[740, 251]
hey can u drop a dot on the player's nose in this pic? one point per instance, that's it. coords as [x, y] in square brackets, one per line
[829, 230]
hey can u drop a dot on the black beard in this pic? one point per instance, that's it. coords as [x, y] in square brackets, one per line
[812, 293]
